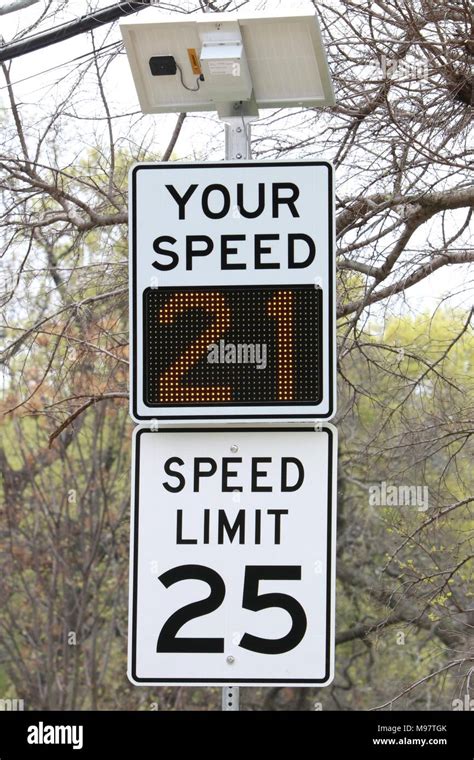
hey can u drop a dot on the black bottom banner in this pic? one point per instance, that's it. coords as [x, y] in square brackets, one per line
[99, 734]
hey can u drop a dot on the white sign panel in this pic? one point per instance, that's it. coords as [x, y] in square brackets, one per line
[232, 291]
[233, 552]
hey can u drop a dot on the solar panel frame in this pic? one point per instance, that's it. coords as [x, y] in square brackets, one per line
[285, 55]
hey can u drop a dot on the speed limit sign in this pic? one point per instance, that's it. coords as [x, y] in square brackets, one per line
[232, 573]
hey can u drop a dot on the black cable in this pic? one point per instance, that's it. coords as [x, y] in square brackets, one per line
[91, 54]
[198, 80]
[71, 29]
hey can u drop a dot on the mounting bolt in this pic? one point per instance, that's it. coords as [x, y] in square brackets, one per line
[239, 155]
[234, 448]
[230, 660]
[239, 129]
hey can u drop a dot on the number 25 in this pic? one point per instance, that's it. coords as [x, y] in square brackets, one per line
[252, 600]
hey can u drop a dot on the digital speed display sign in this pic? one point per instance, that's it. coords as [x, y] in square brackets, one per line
[232, 291]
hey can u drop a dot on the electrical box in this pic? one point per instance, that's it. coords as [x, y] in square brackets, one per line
[226, 72]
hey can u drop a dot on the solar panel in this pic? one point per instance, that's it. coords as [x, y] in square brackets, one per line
[280, 59]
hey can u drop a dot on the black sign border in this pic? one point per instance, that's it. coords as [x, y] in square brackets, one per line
[329, 568]
[223, 415]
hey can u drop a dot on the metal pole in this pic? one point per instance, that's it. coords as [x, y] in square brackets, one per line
[230, 698]
[238, 136]
[237, 148]
[237, 140]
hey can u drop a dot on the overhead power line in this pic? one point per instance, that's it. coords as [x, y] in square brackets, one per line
[15, 5]
[84, 58]
[71, 29]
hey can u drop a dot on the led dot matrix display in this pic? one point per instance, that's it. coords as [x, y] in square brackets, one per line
[224, 345]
